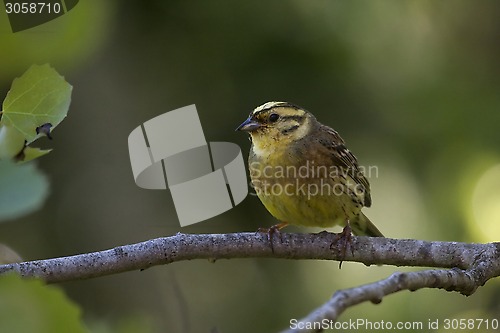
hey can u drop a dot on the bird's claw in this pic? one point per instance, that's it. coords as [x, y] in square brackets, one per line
[345, 237]
[275, 229]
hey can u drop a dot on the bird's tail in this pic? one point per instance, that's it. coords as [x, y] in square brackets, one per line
[362, 226]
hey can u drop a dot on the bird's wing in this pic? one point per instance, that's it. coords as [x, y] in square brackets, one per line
[344, 159]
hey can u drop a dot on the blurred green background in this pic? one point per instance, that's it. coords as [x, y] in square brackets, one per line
[412, 86]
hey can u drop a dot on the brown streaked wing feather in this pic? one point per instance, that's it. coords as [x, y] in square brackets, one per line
[345, 159]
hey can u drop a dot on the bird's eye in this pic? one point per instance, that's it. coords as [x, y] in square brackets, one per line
[274, 117]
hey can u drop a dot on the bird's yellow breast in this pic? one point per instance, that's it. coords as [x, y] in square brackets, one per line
[297, 190]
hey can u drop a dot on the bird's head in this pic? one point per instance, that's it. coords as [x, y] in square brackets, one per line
[277, 123]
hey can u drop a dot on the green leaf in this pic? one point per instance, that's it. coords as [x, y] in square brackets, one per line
[8, 255]
[30, 153]
[31, 306]
[38, 97]
[23, 188]
[11, 142]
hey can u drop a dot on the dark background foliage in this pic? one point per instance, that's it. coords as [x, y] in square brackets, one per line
[412, 86]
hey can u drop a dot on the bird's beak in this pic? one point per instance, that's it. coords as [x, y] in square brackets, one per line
[249, 125]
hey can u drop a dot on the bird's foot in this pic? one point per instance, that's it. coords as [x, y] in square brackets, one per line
[345, 240]
[275, 229]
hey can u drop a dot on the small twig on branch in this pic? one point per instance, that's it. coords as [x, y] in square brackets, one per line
[471, 264]
[449, 279]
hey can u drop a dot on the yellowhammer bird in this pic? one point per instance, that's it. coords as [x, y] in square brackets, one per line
[302, 171]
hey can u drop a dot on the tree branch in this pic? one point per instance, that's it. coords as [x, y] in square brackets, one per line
[471, 264]
[179, 247]
[452, 280]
